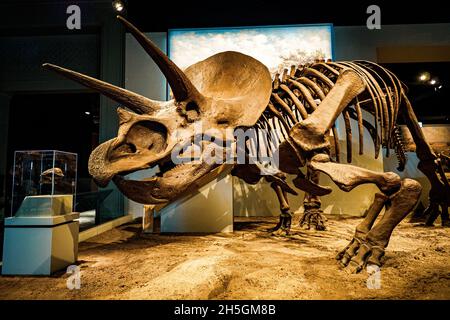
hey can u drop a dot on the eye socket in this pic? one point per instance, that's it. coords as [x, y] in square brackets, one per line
[191, 106]
[148, 135]
[131, 148]
[192, 111]
[145, 138]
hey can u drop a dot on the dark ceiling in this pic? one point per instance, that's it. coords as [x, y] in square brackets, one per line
[160, 15]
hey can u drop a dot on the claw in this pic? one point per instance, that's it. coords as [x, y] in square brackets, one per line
[345, 260]
[278, 226]
[283, 226]
[313, 217]
[358, 254]
[344, 256]
[353, 249]
[281, 232]
[376, 255]
[353, 268]
[358, 261]
[340, 255]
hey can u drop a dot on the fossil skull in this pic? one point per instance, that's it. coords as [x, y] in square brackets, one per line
[225, 91]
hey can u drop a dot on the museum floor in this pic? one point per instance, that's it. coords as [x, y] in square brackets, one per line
[248, 264]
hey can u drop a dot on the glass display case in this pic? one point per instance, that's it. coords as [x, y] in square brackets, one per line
[44, 183]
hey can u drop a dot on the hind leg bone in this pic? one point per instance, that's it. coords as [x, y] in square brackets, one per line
[377, 239]
[362, 229]
[399, 198]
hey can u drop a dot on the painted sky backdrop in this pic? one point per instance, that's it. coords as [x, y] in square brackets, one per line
[277, 47]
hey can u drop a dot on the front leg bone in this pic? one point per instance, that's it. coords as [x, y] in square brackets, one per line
[284, 225]
[310, 133]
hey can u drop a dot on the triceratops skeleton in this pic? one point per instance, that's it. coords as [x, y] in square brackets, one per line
[231, 90]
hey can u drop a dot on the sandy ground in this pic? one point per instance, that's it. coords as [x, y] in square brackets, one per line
[248, 264]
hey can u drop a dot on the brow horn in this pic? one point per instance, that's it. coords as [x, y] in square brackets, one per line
[131, 100]
[181, 86]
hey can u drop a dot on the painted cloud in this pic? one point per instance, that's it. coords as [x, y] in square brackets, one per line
[277, 47]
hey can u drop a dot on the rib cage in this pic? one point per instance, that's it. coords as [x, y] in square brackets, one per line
[298, 92]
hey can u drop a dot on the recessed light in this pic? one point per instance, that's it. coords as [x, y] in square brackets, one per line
[87, 113]
[424, 76]
[118, 5]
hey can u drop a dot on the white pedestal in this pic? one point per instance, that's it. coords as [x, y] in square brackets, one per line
[209, 209]
[40, 245]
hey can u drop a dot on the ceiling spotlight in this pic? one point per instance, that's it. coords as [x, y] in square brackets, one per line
[433, 82]
[118, 5]
[440, 87]
[87, 113]
[424, 76]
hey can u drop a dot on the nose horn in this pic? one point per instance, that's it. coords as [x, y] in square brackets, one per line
[181, 86]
